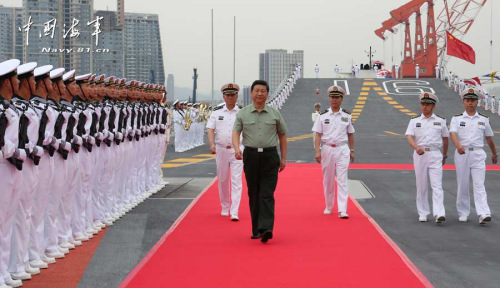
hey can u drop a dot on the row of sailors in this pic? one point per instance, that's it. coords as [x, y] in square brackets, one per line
[77, 153]
[279, 100]
[189, 125]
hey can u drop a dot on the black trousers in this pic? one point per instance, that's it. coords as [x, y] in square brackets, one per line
[261, 173]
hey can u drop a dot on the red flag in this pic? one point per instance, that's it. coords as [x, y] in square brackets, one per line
[459, 49]
[477, 80]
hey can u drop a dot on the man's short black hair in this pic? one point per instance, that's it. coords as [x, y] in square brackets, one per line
[260, 82]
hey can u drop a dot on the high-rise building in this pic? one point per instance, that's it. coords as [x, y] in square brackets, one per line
[170, 86]
[53, 31]
[143, 52]
[277, 64]
[7, 25]
[111, 62]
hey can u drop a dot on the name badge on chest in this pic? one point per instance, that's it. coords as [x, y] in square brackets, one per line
[344, 119]
[327, 121]
[437, 123]
[419, 125]
[481, 123]
[221, 117]
[462, 124]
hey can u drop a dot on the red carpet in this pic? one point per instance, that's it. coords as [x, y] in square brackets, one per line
[309, 249]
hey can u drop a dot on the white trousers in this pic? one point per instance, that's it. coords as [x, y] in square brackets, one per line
[22, 221]
[472, 163]
[428, 167]
[72, 188]
[39, 206]
[79, 207]
[229, 186]
[335, 164]
[9, 200]
[52, 216]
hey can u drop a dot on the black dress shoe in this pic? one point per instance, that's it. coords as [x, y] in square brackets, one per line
[268, 234]
[255, 236]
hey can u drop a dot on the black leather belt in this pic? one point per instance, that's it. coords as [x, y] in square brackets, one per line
[267, 149]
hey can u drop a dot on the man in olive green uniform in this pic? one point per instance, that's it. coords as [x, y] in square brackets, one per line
[261, 126]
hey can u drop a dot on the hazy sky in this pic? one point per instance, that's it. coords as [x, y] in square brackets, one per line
[329, 31]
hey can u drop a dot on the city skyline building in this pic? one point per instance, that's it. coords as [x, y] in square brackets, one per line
[276, 64]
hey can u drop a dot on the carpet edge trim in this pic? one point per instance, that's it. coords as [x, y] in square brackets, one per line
[163, 238]
[420, 276]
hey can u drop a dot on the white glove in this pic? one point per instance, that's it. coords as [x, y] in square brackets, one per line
[20, 154]
[38, 151]
[77, 140]
[91, 140]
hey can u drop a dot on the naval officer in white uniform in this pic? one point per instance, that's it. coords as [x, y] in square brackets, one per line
[427, 134]
[334, 129]
[229, 169]
[468, 131]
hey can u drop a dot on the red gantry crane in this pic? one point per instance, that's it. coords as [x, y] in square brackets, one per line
[456, 18]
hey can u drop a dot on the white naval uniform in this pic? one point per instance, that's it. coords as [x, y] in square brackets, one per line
[316, 70]
[30, 174]
[442, 73]
[356, 71]
[437, 72]
[222, 121]
[334, 127]
[428, 134]
[10, 177]
[314, 116]
[179, 129]
[471, 132]
[336, 71]
[417, 71]
[396, 71]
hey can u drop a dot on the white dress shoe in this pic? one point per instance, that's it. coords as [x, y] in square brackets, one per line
[6, 286]
[20, 276]
[76, 243]
[81, 238]
[327, 211]
[224, 213]
[32, 270]
[107, 222]
[67, 245]
[100, 224]
[440, 219]
[91, 231]
[38, 264]
[343, 215]
[422, 218]
[13, 283]
[55, 255]
[48, 260]
[483, 219]
[63, 250]
[95, 227]
[462, 218]
[235, 217]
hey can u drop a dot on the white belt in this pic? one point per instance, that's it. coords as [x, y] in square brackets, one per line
[473, 148]
[432, 149]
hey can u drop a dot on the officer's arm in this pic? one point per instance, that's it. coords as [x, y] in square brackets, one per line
[350, 139]
[411, 141]
[211, 133]
[445, 147]
[283, 150]
[317, 141]
[493, 149]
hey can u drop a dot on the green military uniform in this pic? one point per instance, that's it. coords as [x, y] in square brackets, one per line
[260, 161]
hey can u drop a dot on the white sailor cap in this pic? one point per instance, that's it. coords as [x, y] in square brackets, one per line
[175, 102]
[109, 80]
[428, 98]
[317, 104]
[230, 88]
[130, 83]
[8, 68]
[83, 78]
[56, 73]
[336, 91]
[69, 76]
[470, 93]
[99, 79]
[26, 70]
[190, 104]
[43, 71]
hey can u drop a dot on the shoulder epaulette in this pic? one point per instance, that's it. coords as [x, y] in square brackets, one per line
[459, 114]
[440, 116]
[346, 111]
[323, 112]
[485, 116]
[218, 108]
[415, 116]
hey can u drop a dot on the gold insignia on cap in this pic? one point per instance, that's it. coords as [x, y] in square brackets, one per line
[230, 86]
[426, 95]
[471, 90]
[335, 88]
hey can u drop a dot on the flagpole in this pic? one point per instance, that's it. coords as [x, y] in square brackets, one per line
[212, 103]
[491, 38]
